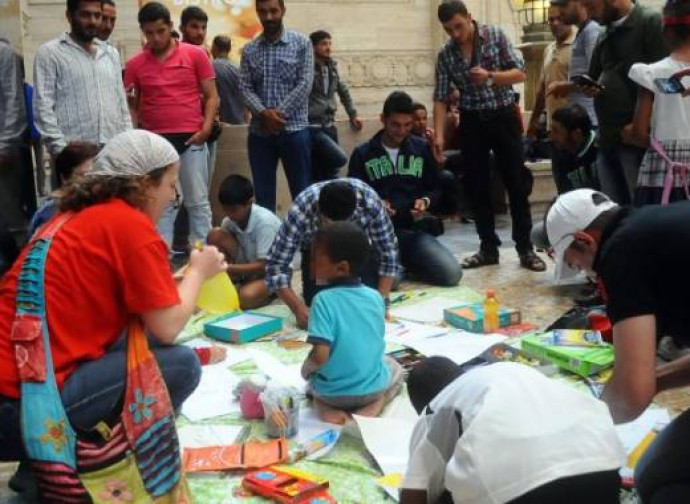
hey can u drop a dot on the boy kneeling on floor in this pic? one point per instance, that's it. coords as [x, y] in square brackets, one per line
[346, 368]
[505, 433]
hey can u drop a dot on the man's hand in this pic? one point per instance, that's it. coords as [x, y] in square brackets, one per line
[389, 208]
[199, 138]
[302, 316]
[356, 123]
[590, 91]
[439, 147]
[273, 121]
[479, 75]
[560, 89]
[420, 206]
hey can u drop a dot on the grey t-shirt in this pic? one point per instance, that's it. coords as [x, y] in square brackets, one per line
[256, 240]
[583, 48]
[228, 83]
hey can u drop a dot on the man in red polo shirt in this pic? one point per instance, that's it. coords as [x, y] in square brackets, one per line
[173, 93]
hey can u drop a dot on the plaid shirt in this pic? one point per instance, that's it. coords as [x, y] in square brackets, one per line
[493, 52]
[302, 222]
[278, 76]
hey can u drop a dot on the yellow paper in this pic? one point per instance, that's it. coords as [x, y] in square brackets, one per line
[218, 295]
[393, 480]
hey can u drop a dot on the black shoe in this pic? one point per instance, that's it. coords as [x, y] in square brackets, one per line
[590, 296]
[24, 482]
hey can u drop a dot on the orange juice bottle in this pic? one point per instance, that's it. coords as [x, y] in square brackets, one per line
[491, 306]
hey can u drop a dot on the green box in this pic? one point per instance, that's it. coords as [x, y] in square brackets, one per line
[470, 317]
[242, 327]
[584, 361]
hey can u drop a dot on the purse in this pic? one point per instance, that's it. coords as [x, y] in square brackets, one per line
[135, 460]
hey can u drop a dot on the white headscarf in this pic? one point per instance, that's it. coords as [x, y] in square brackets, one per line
[133, 153]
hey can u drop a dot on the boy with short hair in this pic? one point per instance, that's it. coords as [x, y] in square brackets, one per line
[506, 433]
[245, 237]
[346, 368]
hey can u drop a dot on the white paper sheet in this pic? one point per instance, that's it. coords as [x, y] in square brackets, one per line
[459, 346]
[284, 374]
[201, 436]
[632, 433]
[426, 312]
[388, 441]
[234, 355]
[214, 396]
[241, 322]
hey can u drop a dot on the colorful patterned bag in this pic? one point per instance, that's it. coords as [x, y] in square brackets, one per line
[138, 459]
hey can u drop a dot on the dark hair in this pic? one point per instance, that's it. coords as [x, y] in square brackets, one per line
[222, 42]
[235, 190]
[398, 102]
[573, 117]
[318, 36]
[418, 106]
[152, 12]
[676, 34]
[450, 8]
[428, 378]
[280, 2]
[337, 201]
[72, 156]
[193, 13]
[175, 34]
[73, 5]
[91, 191]
[109, 2]
[343, 241]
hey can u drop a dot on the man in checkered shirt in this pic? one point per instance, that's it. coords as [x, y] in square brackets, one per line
[276, 76]
[482, 63]
[338, 200]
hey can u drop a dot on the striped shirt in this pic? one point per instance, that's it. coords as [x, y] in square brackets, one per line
[303, 220]
[279, 76]
[78, 96]
[493, 52]
[13, 121]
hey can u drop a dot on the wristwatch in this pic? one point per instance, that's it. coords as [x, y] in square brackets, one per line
[490, 80]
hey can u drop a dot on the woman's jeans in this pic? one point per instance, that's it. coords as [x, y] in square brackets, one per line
[95, 390]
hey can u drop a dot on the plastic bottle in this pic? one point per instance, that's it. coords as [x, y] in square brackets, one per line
[491, 306]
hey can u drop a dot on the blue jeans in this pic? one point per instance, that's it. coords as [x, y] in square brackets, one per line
[423, 256]
[95, 390]
[327, 156]
[294, 149]
[194, 183]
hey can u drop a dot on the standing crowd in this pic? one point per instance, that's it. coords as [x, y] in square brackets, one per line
[134, 146]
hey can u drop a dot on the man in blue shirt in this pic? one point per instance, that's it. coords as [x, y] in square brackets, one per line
[277, 72]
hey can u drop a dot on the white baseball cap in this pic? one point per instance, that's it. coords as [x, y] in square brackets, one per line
[573, 212]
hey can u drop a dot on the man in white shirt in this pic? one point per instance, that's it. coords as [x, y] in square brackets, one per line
[504, 433]
[79, 94]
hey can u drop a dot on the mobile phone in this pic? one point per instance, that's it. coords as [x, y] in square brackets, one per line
[585, 80]
[669, 86]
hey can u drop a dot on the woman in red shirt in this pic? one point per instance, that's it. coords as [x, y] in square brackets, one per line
[105, 265]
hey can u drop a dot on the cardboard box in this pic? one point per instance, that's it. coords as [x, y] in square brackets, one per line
[242, 327]
[584, 361]
[470, 317]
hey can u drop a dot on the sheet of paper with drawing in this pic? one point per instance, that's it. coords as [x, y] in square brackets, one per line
[388, 441]
[214, 396]
[459, 346]
[426, 312]
[234, 354]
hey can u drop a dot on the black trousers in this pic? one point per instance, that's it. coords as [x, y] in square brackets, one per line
[662, 475]
[593, 488]
[480, 133]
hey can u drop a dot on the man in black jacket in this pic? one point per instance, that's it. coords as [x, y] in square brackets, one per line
[401, 169]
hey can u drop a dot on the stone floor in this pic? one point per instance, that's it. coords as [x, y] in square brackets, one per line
[540, 300]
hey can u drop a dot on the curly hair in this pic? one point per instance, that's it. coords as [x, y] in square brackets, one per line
[90, 191]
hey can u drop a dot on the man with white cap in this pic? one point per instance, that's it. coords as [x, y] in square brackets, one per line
[640, 259]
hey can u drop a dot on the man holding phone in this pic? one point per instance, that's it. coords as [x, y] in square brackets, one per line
[633, 34]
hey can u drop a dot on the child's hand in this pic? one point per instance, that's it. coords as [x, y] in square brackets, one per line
[218, 354]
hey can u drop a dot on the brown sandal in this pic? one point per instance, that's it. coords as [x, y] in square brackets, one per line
[532, 261]
[479, 259]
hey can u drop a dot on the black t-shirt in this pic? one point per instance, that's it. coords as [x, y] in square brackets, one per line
[644, 264]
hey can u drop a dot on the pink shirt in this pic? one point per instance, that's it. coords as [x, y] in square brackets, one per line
[170, 99]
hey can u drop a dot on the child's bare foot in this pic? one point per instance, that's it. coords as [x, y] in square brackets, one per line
[218, 354]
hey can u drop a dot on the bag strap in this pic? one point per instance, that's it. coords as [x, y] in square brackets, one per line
[674, 167]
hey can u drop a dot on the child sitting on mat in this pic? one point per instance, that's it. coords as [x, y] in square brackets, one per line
[346, 368]
[245, 237]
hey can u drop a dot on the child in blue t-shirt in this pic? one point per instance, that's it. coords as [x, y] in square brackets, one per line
[346, 368]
